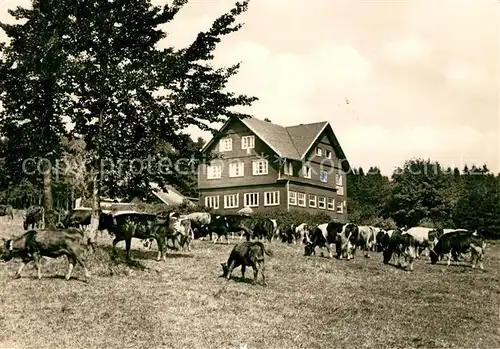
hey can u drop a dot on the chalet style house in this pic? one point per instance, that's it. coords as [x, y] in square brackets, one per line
[265, 166]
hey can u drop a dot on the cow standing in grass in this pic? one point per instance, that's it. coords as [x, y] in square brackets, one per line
[128, 225]
[35, 217]
[456, 242]
[328, 235]
[222, 225]
[6, 210]
[34, 244]
[247, 254]
[400, 244]
[366, 239]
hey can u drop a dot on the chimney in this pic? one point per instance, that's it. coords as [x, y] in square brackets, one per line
[267, 120]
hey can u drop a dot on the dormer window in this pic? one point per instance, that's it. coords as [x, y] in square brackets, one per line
[288, 168]
[328, 154]
[247, 142]
[319, 152]
[306, 171]
[226, 144]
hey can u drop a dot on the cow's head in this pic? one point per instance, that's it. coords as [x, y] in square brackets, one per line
[308, 249]
[6, 249]
[225, 269]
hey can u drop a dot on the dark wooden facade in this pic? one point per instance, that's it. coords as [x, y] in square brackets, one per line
[288, 186]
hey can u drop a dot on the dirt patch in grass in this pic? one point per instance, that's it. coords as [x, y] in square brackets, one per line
[311, 302]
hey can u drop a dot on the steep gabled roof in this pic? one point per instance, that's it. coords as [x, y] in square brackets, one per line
[304, 136]
[292, 142]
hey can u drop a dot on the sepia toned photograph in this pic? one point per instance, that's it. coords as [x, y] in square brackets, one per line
[249, 174]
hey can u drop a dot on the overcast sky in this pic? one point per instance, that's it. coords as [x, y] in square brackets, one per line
[396, 79]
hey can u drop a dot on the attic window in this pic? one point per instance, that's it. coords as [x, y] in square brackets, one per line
[226, 144]
[328, 154]
[319, 152]
[247, 142]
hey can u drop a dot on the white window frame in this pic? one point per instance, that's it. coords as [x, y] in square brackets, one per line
[340, 190]
[339, 179]
[275, 198]
[330, 204]
[305, 173]
[226, 144]
[321, 172]
[315, 201]
[248, 142]
[328, 154]
[340, 208]
[247, 201]
[340, 185]
[319, 151]
[288, 168]
[292, 198]
[231, 201]
[237, 169]
[322, 202]
[212, 201]
[304, 196]
[212, 174]
[256, 167]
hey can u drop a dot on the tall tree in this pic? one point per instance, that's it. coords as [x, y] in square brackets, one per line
[145, 95]
[31, 94]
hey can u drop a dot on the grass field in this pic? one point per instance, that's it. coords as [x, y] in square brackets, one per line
[310, 302]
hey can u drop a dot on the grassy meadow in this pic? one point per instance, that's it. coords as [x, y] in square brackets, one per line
[310, 302]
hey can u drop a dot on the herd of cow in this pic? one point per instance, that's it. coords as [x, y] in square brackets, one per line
[175, 231]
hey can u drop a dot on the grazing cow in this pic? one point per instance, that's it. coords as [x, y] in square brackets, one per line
[286, 232]
[366, 239]
[326, 235]
[77, 218]
[378, 239]
[261, 228]
[139, 225]
[182, 227]
[34, 215]
[249, 254]
[6, 210]
[397, 243]
[456, 242]
[422, 238]
[302, 233]
[199, 223]
[34, 244]
[224, 224]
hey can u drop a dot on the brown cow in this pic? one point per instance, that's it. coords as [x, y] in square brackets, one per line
[249, 253]
[34, 244]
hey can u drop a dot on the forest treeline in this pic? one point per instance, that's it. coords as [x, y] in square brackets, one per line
[424, 193]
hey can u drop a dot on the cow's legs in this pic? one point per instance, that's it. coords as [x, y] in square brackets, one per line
[255, 272]
[329, 247]
[367, 251]
[230, 269]
[161, 254]
[18, 272]
[262, 267]
[80, 261]
[115, 241]
[243, 268]
[216, 238]
[38, 263]
[128, 244]
[227, 239]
